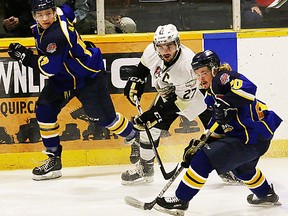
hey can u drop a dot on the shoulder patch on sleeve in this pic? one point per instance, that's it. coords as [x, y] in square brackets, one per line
[224, 78]
[51, 48]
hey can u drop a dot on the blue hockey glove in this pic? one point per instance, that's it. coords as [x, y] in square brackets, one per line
[20, 53]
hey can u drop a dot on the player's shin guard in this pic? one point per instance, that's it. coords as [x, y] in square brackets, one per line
[195, 176]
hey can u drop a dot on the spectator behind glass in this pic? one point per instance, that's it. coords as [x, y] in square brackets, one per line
[251, 15]
[115, 19]
[275, 12]
[17, 18]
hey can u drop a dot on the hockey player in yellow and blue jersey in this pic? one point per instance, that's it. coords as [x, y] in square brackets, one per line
[248, 127]
[74, 70]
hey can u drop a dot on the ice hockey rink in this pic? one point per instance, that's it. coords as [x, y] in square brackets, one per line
[97, 191]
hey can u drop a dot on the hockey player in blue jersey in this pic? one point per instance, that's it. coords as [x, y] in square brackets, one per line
[74, 70]
[248, 127]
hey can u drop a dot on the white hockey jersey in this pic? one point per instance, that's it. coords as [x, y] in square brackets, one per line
[190, 100]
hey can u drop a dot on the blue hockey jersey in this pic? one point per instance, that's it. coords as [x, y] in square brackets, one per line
[63, 56]
[252, 120]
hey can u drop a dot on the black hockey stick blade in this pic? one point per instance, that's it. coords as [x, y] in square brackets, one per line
[170, 174]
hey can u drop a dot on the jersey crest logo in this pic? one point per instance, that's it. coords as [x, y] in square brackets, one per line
[157, 72]
[51, 47]
[191, 83]
[224, 78]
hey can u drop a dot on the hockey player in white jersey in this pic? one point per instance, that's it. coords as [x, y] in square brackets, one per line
[169, 63]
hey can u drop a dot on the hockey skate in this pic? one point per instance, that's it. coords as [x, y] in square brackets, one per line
[230, 178]
[143, 173]
[135, 152]
[51, 169]
[171, 205]
[271, 198]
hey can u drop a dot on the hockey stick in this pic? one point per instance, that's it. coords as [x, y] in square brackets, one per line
[164, 173]
[148, 206]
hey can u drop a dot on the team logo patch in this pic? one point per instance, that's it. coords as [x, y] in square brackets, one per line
[191, 83]
[157, 72]
[224, 78]
[51, 47]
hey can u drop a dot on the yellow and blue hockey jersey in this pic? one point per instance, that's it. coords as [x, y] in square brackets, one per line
[63, 56]
[252, 120]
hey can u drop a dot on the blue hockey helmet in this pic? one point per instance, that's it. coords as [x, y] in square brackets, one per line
[206, 58]
[39, 5]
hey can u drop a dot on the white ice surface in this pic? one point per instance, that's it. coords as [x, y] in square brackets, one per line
[97, 191]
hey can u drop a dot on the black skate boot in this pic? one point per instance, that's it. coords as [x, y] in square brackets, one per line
[171, 205]
[51, 169]
[230, 178]
[143, 173]
[135, 152]
[271, 198]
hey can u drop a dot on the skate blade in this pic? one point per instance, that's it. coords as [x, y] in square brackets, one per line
[175, 212]
[267, 204]
[141, 181]
[234, 183]
[50, 175]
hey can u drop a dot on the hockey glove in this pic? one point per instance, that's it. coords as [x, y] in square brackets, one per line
[223, 112]
[189, 151]
[134, 86]
[20, 53]
[150, 118]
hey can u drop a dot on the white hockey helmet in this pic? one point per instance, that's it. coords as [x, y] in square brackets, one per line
[166, 34]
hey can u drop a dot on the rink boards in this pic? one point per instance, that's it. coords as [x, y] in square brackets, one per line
[260, 55]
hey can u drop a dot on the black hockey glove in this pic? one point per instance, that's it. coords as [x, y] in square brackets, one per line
[189, 151]
[20, 53]
[134, 86]
[150, 118]
[223, 112]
